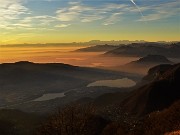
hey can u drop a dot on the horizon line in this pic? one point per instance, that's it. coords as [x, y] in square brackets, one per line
[91, 41]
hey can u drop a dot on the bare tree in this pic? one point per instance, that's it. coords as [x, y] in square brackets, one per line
[73, 120]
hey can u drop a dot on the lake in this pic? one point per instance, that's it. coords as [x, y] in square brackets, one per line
[49, 96]
[118, 83]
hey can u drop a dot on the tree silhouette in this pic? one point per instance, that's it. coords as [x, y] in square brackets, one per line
[74, 120]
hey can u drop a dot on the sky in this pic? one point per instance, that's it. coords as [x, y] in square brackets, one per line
[53, 21]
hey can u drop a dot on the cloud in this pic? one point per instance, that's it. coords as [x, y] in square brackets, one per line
[11, 11]
[77, 11]
[39, 20]
[67, 15]
[161, 11]
[74, 12]
[62, 25]
[91, 18]
[15, 15]
[74, 2]
[113, 19]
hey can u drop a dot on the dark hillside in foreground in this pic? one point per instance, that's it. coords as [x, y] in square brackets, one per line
[15, 122]
[83, 119]
[161, 122]
[165, 122]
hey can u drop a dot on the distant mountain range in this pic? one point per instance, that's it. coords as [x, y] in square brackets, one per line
[88, 43]
[97, 48]
[143, 49]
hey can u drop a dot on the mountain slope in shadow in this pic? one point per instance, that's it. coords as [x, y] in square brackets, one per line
[156, 95]
[142, 65]
[29, 75]
[22, 82]
[151, 59]
[97, 48]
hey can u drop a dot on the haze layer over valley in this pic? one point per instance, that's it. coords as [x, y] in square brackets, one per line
[111, 79]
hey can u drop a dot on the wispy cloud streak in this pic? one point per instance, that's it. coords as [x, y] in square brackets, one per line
[137, 8]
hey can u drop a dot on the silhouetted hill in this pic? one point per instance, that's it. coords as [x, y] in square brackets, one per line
[153, 59]
[149, 61]
[156, 71]
[143, 49]
[30, 75]
[97, 48]
[22, 82]
[142, 65]
[158, 94]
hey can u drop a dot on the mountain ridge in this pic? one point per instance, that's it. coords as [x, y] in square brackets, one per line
[156, 95]
[143, 49]
[97, 48]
